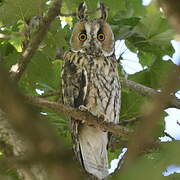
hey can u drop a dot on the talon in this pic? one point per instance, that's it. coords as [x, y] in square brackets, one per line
[103, 117]
[83, 108]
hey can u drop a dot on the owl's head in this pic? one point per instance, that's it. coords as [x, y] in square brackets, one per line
[92, 36]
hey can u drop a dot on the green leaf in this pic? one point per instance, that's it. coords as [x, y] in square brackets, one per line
[6, 49]
[131, 104]
[123, 27]
[56, 38]
[140, 170]
[11, 11]
[60, 123]
[151, 37]
[39, 74]
[146, 59]
[171, 153]
[174, 176]
[8, 55]
[57, 67]
[155, 75]
[136, 7]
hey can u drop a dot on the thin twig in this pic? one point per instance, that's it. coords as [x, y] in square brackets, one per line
[168, 135]
[130, 121]
[178, 123]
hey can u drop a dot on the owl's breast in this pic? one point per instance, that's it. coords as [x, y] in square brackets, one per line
[95, 83]
[103, 90]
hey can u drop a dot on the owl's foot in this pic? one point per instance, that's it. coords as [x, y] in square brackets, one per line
[83, 108]
[103, 117]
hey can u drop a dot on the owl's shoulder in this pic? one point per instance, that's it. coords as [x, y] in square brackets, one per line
[68, 54]
[112, 59]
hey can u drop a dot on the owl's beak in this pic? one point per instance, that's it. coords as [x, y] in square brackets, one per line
[91, 48]
[92, 44]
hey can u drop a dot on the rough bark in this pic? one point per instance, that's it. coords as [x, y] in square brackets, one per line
[18, 147]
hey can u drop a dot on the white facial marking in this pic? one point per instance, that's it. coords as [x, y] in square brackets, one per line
[106, 53]
[88, 28]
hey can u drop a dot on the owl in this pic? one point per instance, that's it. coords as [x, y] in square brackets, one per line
[90, 80]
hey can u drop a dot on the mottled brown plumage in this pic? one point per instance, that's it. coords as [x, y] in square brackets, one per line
[90, 78]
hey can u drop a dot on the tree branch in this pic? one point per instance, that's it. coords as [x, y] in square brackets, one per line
[139, 88]
[139, 140]
[149, 92]
[9, 36]
[80, 115]
[18, 69]
[142, 138]
[37, 137]
[16, 147]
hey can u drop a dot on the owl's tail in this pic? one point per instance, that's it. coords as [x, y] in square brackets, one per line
[93, 147]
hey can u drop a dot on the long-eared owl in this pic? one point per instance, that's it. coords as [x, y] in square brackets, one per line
[90, 80]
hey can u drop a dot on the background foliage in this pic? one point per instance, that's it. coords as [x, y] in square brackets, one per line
[146, 33]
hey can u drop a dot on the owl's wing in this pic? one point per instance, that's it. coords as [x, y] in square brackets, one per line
[74, 83]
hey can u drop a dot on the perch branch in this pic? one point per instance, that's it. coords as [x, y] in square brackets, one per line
[80, 115]
[139, 88]
[136, 87]
[17, 70]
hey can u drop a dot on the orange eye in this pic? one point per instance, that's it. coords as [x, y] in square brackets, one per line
[101, 37]
[82, 37]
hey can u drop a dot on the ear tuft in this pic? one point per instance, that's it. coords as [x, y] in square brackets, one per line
[82, 10]
[102, 13]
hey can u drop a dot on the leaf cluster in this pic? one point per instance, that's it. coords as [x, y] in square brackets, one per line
[146, 33]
